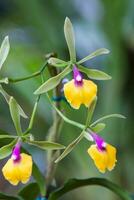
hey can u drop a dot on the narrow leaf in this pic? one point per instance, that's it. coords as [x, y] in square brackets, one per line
[7, 149]
[98, 127]
[57, 62]
[30, 191]
[7, 136]
[91, 111]
[70, 39]
[46, 145]
[70, 147]
[94, 73]
[98, 52]
[5, 94]
[40, 179]
[77, 183]
[4, 50]
[7, 98]
[14, 111]
[107, 117]
[52, 82]
[9, 197]
[3, 132]
[4, 80]
[88, 136]
[21, 112]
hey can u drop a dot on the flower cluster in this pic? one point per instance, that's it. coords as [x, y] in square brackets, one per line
[77, 91]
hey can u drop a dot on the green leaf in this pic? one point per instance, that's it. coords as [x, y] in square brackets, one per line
[73, 144]
[7, 149]
[21, 111]
[7, 98]
[40, 179]
[4, 93]
[88, 136]
[46, 145]
[4, 50]
[77, 183]
[94, 73]
[31, 122]
[98, 52]
[3, 132]
[52, 82]
[57, 62]
[70, 39]
[107, 117]
[70, 147]
[9, 197]
[98, 127]
[14, 111]
[7, 136]
[30, 191]
[91, 111]
[4, 80]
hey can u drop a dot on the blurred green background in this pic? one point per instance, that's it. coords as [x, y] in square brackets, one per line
[35, 27]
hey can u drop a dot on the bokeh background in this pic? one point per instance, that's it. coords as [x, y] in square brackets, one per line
[35, 27]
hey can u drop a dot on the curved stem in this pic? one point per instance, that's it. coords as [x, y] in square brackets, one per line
[74, 123]
[11, 80]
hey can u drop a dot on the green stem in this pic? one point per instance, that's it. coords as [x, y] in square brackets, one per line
[24, 78]
[33, 115]
[107, 117]
[74, 123]
[11, 80]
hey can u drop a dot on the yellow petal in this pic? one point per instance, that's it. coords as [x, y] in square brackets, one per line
[73, 94]
[99, 158]
[19, 171]
[89, 92]
[77, 95]
[111, 151]
[10, 172]
[25, 167]
[14, 182]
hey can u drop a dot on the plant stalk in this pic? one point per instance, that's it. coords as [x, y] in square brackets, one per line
[54, 130]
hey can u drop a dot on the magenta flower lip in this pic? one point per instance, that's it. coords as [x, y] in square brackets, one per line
[16, 152]
[78, 80]
[101, 145]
